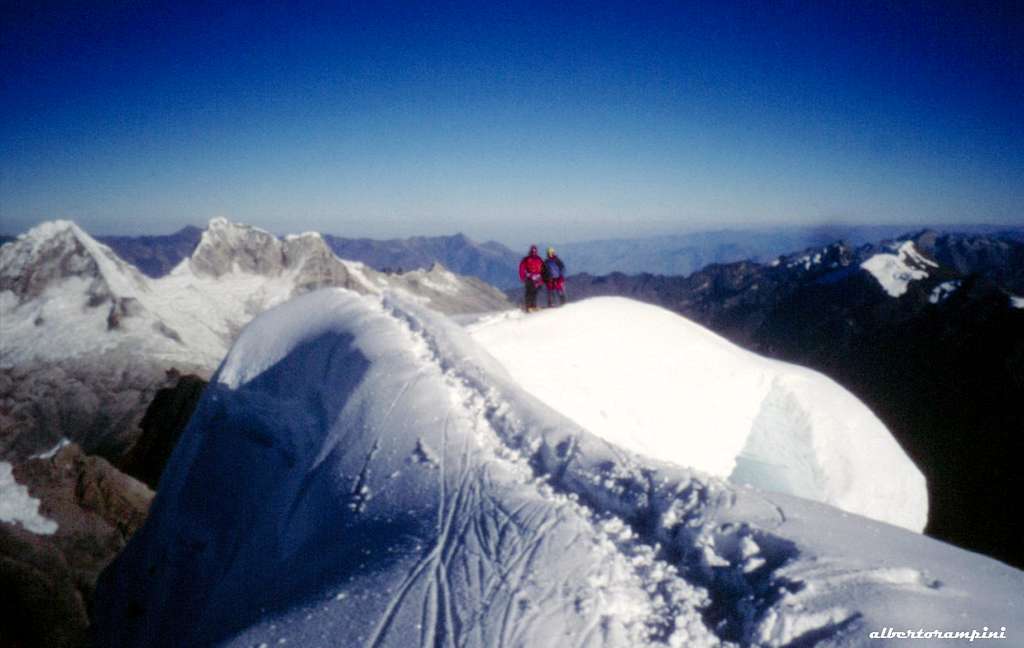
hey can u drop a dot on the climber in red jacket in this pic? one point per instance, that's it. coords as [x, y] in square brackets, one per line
[531, 271]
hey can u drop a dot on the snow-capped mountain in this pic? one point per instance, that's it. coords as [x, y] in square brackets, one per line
[362, 472]
[87, 339]
[65, 294]
[679, 254]
[683, 254]
[925, 329]
[491, 261]
[895, 270]
[57, 252]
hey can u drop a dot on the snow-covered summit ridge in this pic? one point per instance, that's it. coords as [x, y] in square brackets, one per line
[895, 270]
[234, 247]
[391, 485]
[657, 383]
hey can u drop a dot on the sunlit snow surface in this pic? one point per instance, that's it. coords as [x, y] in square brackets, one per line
[654, 382]
[895, 271]
[362, 473]
[189, 317]
[942, 292]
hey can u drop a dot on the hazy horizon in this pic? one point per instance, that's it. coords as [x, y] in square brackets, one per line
[866, 230]
[512, 122]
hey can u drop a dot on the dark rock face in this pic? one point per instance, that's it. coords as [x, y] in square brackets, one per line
[999, 260]
[226, 245]
[28, 271]
[944, 370]
[165, 420]
[47, 582]
[97, 402]
[155, 256]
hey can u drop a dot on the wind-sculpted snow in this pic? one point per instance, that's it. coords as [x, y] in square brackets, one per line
[650, 380]
[361, 473]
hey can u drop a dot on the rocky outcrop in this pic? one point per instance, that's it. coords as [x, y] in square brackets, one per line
[47, 582]
[97, 402]
[165, 420]
[226, 246]
[316, 266]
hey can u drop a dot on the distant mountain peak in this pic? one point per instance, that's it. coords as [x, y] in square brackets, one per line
[833, 255]
[226, 247]
[58, 250]
[304, 235]
[190, 314]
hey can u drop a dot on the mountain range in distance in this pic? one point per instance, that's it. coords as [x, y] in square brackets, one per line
[495, 263]
[75, 314]
[90, 347]
[927, 330]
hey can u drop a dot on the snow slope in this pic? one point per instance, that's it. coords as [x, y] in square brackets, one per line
[654, 382]
[18, 507]
[361, 473]
[895, 271]
[63, 294]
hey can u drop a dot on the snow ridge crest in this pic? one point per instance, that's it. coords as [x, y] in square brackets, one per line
[407, 490]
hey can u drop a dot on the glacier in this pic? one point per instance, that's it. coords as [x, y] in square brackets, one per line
[362, 472]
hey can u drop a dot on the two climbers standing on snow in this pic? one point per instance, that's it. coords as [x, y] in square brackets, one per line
[535, 272]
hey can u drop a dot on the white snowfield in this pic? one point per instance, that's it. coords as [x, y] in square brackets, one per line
[362, 473]
[20, 508]
[654, 382]
[191, 316]
[895, 271]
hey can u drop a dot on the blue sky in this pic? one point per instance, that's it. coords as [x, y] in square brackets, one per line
[510, 120]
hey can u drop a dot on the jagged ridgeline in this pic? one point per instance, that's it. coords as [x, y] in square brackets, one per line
[391, 484]
[424, 440]
[927, 329]
[86, 343]
[72, 308]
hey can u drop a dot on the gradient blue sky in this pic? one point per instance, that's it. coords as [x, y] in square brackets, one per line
[510, 120]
